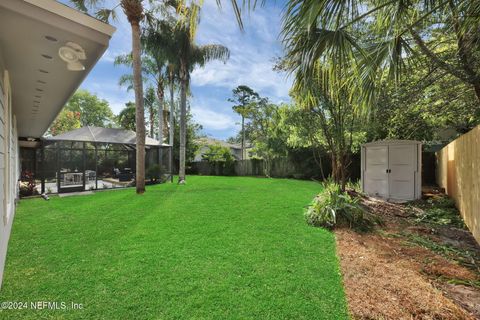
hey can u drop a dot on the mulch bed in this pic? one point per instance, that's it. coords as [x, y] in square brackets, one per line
[392, 274]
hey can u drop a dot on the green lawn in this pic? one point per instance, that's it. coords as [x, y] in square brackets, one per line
[216, 248]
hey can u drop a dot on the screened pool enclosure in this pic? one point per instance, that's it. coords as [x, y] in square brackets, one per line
[92, 158]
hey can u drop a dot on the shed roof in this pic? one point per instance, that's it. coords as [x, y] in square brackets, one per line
[391, 141]
[103, 135]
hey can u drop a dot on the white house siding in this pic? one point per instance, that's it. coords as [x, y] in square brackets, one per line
[9, 164]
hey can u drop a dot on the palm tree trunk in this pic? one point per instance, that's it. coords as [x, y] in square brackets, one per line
[152, 122]
[160, 95]
[183, 128]
[243, 137]
[134, 11]
[172, 127]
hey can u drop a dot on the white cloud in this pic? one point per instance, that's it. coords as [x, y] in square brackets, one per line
[112, 92]
[251, 64]
[251, 52]
[213, 120]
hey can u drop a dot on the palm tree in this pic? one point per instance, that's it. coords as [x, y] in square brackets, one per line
[370, 41]
[191, 56]
[126, 117]
[159, 41]
[161, 46]
[150, 101]
[149, 76]
[172, 78]
[134, 11]
[176, 39]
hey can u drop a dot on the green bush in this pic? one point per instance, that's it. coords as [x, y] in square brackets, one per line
[27, 184]
[217, 153]
[333, 208]
[154, 173]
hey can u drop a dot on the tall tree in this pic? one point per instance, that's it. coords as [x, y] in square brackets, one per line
[172, 78]
[243, 97]
[162, 57]
[66, 121]
[153, 76]
[428, 105]
[126, 117]
[193, 132]
[93, 111]
[335, 115]
[368, 42]
[194, 55]
[263, 132]
[134, 12]
[165, 54]
[190, 56]
[151, 103]
[133, 9]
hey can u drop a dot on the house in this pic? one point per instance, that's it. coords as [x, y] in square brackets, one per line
[46, 50]
[205, 143]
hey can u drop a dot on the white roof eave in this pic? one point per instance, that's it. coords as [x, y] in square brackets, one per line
[390, 142]
[73, 15]
[23, 48]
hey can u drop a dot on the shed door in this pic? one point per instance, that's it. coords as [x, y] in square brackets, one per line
[402, 165]
[375, 175]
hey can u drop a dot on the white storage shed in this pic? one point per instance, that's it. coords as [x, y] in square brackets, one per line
[392, 169]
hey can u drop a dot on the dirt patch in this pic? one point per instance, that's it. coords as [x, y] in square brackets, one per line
[409, 270]
[458, 294]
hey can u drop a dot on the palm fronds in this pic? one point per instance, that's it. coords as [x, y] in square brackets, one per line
[362, 43]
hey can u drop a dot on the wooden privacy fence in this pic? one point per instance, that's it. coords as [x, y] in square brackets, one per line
[458, 171]
[285, 167]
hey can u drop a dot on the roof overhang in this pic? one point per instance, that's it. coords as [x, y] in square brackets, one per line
[32, 33]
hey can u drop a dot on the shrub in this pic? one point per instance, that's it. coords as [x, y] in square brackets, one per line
[27, 186]
[355, 186]
[333, 208]
[154, 173]
[217, 153]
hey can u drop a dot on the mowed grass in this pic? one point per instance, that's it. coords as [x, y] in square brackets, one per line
[216, 248]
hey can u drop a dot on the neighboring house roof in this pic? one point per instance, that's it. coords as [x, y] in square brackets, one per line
[38, 37]
[102, 135]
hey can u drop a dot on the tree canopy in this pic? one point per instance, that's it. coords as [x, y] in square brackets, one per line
[126, 117]
[65, 121]
[218, 153]
[93, 110]
[362, 44]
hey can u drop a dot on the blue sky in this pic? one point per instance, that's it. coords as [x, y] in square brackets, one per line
[250, 63]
